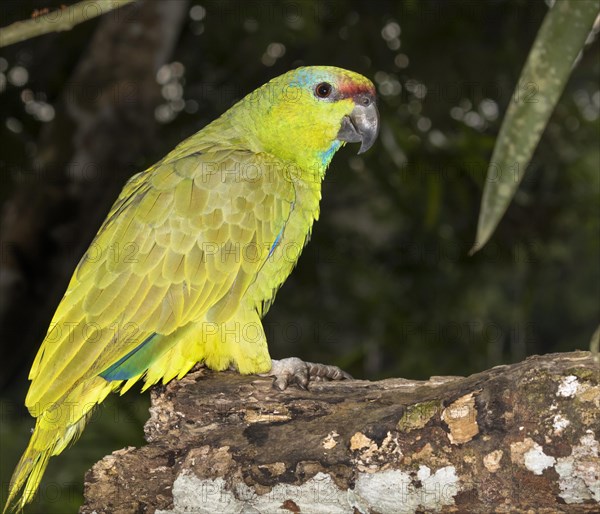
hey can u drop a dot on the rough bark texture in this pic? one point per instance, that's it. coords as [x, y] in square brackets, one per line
[518, 438]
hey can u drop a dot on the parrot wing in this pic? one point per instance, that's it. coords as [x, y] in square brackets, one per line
[184, 240]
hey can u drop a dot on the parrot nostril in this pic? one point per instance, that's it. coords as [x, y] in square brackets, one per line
[366, 101]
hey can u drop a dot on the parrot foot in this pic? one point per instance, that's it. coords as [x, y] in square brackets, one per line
[295, 371]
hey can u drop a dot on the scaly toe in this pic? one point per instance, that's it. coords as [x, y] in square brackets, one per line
[295, 371]
[289, 371]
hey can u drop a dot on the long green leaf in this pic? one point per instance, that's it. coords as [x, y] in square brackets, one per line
[549, 64]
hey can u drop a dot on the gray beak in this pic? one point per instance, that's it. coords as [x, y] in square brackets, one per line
[362, 125]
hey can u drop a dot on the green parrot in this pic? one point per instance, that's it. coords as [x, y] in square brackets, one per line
[191, 255]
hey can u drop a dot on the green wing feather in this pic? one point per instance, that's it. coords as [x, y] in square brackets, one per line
[174, 247]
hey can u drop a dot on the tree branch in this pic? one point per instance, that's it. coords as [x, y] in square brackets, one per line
[57, 20]
[518, 438]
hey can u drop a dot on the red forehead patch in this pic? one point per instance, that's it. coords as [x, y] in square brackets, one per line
[350, 88]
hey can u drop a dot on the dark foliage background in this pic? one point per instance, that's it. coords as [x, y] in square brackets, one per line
[386, 287]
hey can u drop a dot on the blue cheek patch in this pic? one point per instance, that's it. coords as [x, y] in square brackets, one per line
[327, 155]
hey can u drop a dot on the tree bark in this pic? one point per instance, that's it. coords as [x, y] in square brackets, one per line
[518, 438]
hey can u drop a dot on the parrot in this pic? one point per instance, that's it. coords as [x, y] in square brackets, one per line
[191, 255]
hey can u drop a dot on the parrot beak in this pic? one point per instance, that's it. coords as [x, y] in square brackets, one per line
[362, 124]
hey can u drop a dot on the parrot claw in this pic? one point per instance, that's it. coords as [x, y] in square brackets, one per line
[295, 371]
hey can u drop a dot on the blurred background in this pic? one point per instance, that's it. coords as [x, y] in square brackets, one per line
[386, 287]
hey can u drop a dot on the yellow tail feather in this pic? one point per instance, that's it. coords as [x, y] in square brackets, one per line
[50, 437]
[28, 474]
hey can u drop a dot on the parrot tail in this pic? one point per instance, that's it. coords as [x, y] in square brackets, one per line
[28, 474]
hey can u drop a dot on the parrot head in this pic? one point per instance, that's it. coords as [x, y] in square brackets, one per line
[307, 114]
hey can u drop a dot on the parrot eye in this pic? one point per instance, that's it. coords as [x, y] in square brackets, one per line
[323, 90]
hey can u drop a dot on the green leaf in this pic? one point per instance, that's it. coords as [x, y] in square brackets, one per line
[548, 67]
